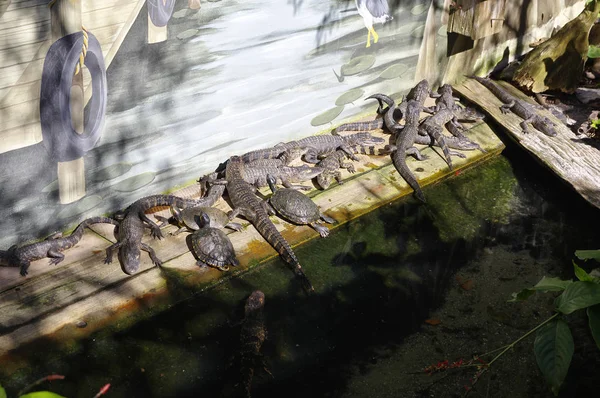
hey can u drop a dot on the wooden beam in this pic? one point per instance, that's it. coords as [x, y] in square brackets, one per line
[572, 158]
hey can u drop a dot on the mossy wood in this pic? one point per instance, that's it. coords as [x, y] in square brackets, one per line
[557, 63]
[574, 159]
[53, 299]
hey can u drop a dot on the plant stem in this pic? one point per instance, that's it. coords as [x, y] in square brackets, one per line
[511, 345]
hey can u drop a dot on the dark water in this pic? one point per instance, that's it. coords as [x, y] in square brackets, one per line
[488, 232]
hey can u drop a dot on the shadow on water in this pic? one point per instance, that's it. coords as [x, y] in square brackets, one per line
[378, 279]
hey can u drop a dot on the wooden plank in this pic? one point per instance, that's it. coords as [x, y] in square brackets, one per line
[477, 18]
[118, 15]
[24, 17]
[60, 296]
[20, 137]
[567, 155]
[23, 35]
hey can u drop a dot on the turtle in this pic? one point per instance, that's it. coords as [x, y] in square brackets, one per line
[211, 246]
[297, 208]
[186, 218]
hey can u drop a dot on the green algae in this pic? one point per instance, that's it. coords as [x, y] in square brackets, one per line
[486, 193]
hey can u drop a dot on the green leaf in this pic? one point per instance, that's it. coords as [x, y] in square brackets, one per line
[581, 274]
[578, 295]
[522, 295]
[588, 254]
[593, 51]
[544, 285]
[41, 394]
[593, 314]
[2, 392]
[551, 285]
[553, 349]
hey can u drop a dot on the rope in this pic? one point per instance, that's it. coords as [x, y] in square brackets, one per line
[84, 47]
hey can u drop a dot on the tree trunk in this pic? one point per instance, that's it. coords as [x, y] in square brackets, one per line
[557, 63]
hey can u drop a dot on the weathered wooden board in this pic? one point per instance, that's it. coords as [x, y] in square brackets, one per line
[569, 156]
[54, 298]
[477, 18]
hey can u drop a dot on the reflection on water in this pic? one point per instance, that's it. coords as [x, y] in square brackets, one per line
[452, 263]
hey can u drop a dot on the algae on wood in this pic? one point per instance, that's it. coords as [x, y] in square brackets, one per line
[557, 63]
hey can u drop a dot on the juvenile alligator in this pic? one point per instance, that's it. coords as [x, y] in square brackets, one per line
[520, 108]
[331, 165]
[433, 127]
[445, 99]
[255, 173]
[131, 228]
[405, 140]
[247, 204]
[51, 247]
[285, 152]
[360, 126]
[322, 145]
[252, 337]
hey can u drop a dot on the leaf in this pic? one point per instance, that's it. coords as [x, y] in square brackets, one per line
[553, 349]
[41, 394]
[578, 295]
[581, 274]
[2, 392]
[544, 285]
[551, 285]
[593, 51]
[522, 295]
[593, 314]
[588, 254]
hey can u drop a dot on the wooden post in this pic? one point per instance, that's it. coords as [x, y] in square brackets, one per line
[66, 19]
[156, 34]
[194, 4]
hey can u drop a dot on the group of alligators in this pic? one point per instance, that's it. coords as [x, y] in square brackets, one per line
[242, 175]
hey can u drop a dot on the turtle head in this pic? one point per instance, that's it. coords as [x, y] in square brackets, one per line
[203, 220]
[272, 182]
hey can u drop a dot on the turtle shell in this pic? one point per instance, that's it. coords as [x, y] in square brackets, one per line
[213, 247]
[295, 206]
[218, 218]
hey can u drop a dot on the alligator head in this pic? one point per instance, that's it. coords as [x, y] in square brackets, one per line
[255, 302]
[304, 173]
[129, 258]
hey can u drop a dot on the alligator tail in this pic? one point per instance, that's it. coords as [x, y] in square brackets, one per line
[399, 160]
[267, 229]
[364, 149]
[361, 126]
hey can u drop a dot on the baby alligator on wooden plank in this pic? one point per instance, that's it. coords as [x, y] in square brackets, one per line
[520, 108]
[330, 165]
[405, 140]
[252, 337]
[321, 145]
[246, 203]
[131, 228]
[256, 172]
[51, 247]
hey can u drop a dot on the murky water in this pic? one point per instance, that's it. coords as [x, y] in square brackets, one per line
[399, 289]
